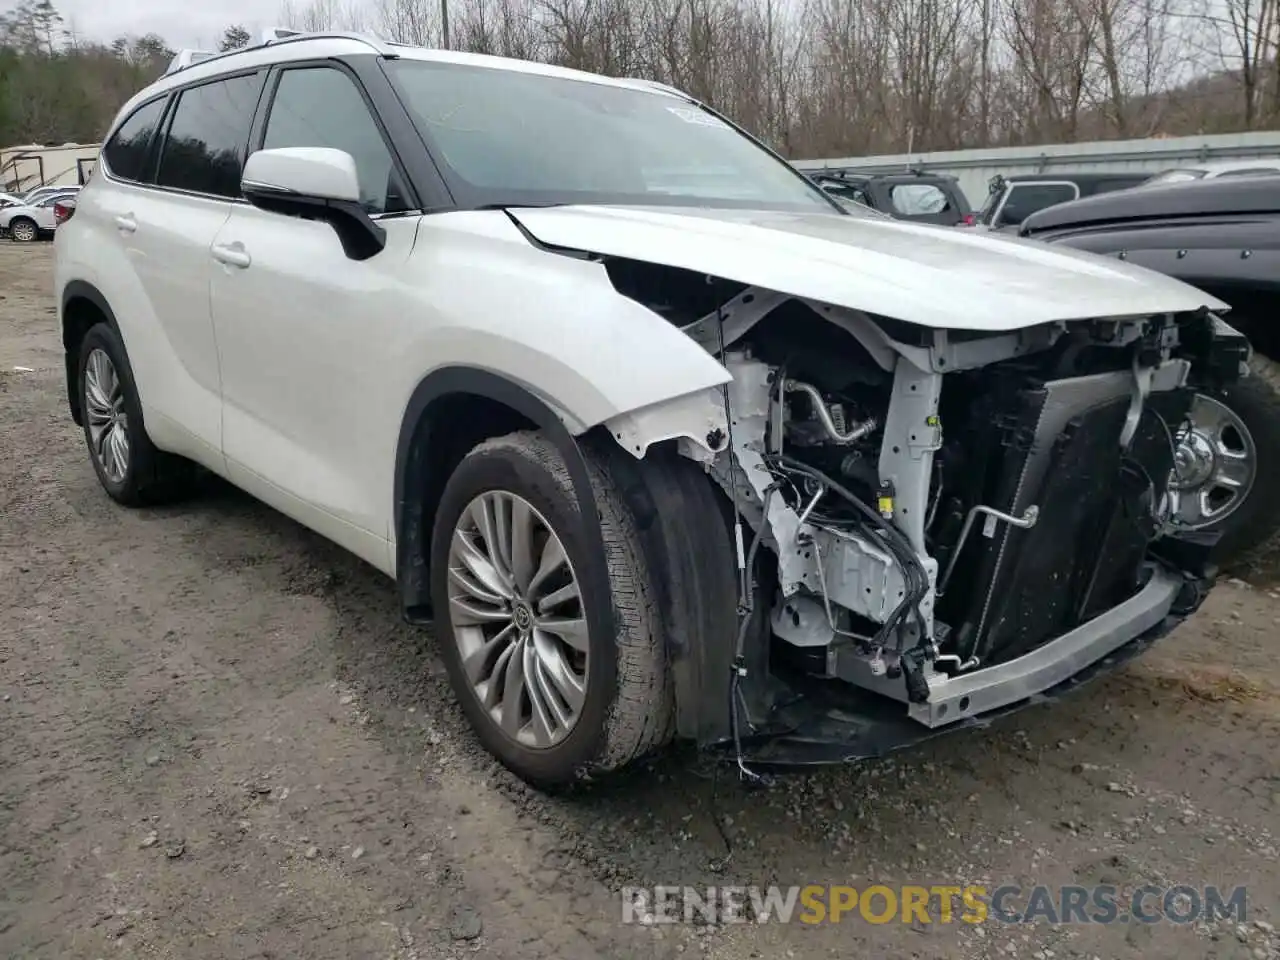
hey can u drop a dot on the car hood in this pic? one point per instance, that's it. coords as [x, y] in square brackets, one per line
[934, 276]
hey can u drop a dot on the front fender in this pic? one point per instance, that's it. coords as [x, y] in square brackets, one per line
[553, 324]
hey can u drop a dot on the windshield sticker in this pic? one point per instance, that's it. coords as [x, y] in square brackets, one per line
[690, 115]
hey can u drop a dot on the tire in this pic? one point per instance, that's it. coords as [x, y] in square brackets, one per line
[137, 474]
[23, 230]
[1250, 527]
[627, 707]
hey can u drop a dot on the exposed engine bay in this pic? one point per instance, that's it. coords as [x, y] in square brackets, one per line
[956, 522]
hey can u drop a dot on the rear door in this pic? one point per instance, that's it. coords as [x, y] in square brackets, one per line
[165, 225]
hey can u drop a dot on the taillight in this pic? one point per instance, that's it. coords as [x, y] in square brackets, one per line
[62, 212]
[968, 220]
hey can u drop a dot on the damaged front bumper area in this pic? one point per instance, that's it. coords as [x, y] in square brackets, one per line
[836, 724]
[896, 583]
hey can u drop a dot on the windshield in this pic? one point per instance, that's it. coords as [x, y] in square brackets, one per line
[508, 138]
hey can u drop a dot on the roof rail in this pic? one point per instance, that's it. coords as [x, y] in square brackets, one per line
[273, 36]
[284, 35]
[186, 58]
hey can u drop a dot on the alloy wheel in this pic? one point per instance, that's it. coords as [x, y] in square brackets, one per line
[104, 409]
[518, 619]
[23, 230]
[1215, 462]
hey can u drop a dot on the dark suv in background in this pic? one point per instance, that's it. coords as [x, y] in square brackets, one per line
[919, 197]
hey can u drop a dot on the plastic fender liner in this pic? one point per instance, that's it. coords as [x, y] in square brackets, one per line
[413, 512]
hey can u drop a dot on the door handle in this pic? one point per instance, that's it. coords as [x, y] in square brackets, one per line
[233, 255]
[126, 223]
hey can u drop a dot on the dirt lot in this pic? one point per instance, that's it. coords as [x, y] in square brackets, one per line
[218, 740]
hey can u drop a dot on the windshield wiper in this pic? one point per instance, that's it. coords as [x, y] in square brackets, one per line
[518, 205]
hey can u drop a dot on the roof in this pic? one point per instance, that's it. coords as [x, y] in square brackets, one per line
[1226, 166]
[864, 176]
[1260, 194]
[330, 45]
[1071, 176]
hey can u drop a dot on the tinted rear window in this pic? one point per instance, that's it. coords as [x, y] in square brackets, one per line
[126, 151]
[204, 148]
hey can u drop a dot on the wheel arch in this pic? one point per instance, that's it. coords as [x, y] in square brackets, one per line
[449, 412]
[82, 307]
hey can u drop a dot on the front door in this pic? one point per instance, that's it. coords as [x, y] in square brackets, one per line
[299, 329]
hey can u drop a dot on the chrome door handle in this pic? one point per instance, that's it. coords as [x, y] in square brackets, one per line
[233, 255]
[126, 224]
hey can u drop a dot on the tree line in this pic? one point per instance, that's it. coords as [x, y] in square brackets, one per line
[816, 78]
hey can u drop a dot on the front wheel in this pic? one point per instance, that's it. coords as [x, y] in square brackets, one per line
[23, 230]
[1223, 459]
[547, 694]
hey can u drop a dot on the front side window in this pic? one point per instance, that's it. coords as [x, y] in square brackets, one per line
[203, 150]
[127, 151]
[322, 107]
[510, 137]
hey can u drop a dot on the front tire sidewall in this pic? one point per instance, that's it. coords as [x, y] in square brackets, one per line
[504, 469]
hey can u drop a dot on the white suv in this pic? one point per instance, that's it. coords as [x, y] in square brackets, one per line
[645, 425]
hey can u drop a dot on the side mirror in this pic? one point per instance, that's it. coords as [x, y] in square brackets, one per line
[316, 183]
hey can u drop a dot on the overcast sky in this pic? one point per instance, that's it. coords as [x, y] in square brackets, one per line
[181, 22]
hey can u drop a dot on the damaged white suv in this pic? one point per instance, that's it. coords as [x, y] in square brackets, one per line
[659, 439]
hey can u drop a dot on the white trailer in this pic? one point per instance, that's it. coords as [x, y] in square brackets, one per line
[24, 168]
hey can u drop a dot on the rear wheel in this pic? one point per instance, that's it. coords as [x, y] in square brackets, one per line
[128, 465]
[547, 694]
[23, 230]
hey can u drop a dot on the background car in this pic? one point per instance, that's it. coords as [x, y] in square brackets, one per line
[1010, 200]
[1211, 171]
[27, 222]
[1223, 236]
[918, 197]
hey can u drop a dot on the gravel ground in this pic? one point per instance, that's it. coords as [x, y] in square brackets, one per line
[218, 740]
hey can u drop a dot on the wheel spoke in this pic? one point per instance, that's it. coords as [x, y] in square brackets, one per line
[572, 631]
[553, 558]
[116, 445]
[522, 525]
[556, 669]
[513, 692]
[1233, 472]
[463, 578]
[482, 513]
[557, 597]
[490, 691]
[106, 452]
[542, 723]
[477, 663]
[467, 612]
[480, 565]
